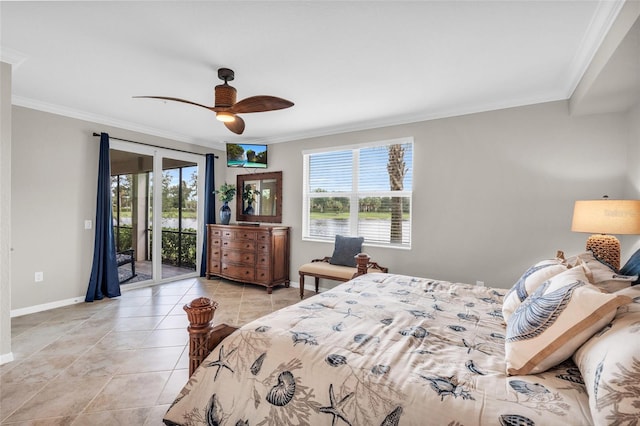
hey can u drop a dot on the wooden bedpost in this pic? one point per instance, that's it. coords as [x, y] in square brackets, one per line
[202, 336]
[362, 261]
[200, 313]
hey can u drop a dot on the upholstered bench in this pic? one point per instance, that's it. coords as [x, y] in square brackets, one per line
[321, 268]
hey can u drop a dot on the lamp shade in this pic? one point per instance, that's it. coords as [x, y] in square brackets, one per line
[606, 216]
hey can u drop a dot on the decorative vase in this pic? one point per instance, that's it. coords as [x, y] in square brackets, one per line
[249, 209]
[225, 213]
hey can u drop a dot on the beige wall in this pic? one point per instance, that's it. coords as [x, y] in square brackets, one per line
[55, 163]
[631, 243]
[5, 213]
[493, 192]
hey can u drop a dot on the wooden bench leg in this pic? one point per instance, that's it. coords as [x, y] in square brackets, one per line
[317, 283]
[301, 286]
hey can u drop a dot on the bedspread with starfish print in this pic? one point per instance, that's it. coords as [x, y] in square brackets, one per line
[381, 349]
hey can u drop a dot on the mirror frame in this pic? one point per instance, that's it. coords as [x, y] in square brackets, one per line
[240, 182]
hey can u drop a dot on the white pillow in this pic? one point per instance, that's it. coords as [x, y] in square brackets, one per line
[610, 365]
[555, 320]
[529, 282]
[601, 274]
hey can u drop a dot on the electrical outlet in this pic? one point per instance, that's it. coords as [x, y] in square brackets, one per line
[39, 276]
[480, 283]
[88, 224]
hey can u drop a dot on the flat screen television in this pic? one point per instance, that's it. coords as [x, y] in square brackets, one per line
[247, 155]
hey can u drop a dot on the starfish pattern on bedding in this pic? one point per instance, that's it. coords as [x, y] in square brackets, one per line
[221, 362]
[349, 313]
[335, 409]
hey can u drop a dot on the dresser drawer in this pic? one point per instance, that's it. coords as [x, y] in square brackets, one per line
[239, 256]
[263, 276]
[246, 235]
[213, 267]
[214, 253]
[264, 246]
[242, 273]
[214, 242]
[231, 234]
[263, 260]
[239, 245]
[215, 232]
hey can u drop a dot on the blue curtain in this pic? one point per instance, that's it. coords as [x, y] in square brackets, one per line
[209, 207]
[104, 272]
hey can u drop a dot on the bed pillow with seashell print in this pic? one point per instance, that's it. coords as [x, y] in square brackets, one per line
[529, 282]
[610, 365]
[554, 321]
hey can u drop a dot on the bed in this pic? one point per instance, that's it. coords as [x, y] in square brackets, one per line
[385, 349]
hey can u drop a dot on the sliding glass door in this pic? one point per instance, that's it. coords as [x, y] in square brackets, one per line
[179, 217]
[146, 180]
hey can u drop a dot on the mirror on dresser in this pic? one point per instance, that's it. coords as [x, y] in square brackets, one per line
[259, 197]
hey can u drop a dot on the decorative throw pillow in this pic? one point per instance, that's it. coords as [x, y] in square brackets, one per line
[529, 282]
[602, 274]
[562, 314]
[610, 365]
[345, 250]
[632, 267]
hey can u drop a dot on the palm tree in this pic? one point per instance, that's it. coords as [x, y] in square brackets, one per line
[397, 169]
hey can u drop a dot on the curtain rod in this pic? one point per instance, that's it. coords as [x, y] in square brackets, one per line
[155, 146]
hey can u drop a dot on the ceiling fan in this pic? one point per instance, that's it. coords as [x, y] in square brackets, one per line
[226, 107]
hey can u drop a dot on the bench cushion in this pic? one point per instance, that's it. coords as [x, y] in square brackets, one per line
[326, 269]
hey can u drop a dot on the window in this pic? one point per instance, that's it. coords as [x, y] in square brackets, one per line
[362, 190]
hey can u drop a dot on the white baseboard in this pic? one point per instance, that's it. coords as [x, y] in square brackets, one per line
[5, 358]
[46, 306]
[311, 286]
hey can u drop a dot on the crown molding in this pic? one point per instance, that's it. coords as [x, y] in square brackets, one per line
[601, 22]
[413, 119]
[107, 121]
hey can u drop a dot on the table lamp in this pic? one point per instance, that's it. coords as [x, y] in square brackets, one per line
[602, 218]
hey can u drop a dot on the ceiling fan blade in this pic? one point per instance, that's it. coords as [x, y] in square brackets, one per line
[166, 98]
[260, 104]
[236, 126]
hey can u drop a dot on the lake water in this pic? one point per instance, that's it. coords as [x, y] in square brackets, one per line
[375, 230]
[169, 222]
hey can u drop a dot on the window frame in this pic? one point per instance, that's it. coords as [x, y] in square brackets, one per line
[354, 195]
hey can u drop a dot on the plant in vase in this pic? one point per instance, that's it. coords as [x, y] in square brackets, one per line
[226, 192]
[249, 195]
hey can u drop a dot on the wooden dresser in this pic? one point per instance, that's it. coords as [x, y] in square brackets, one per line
[249, 254]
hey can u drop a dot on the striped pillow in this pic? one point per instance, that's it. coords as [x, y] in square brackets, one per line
[610, 365]
[555, 320]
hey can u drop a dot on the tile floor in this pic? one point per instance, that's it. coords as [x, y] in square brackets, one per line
[116, 361]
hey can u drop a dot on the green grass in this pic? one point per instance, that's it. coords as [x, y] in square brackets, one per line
[171, 214]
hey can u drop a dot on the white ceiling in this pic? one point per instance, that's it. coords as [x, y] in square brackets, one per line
[345, 65]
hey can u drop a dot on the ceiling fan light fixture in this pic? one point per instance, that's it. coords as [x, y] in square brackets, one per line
[226, 108]
[225, 116]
